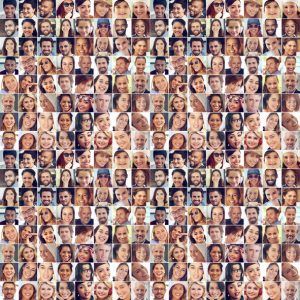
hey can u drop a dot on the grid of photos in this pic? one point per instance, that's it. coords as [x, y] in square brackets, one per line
[149, 149]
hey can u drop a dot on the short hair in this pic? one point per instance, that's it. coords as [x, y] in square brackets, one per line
[98, 207]
[160, 152]
[105, 57]
[42, 190]
[46, 39]
[251, 56]
[160, 58]
[250, 207]
[10, 152]
[10, 58]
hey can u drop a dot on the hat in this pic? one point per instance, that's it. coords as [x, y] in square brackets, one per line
[103, 21]
[10, 2]
[103, 172]
[141, 1]
[287, 1]
[253, 172]
[108, 2]
[258, 2]
[253, 21]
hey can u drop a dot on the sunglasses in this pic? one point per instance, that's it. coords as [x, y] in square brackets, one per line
[253, 176]
[66, 4]
[44, 63]
[218, 154]
[103, 176]
[219, 4]
[68, 154]
[103, 26]
[253, 26]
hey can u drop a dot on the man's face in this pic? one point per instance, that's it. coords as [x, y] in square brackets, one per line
[85, 64]
[290, 291]
[290, 81]
[102, 65]
[140, 233]
[195, 158]
[158, 103]
[65, 84]
[196, 8]
[215, 235]
[46, 28]
[159, 291]
[102, 253]
[46, 8]
[270, 27]
[140, 82]
[65, 198]
[85, 214]
[120, 177]
[10, 216]
[271, 216]
[8, 252]
[65, 234]
[160, 66]
[10, 11]
[215, 84]
[45, 158]
[139, 291]
[215, 198]
[102, 215]
[252, 253]
[102, 103]
[196, 28]
[272, 66]
[235, 215]
[215, 48]
[159, 140]
[196, 48]
[196, 179]
[122, 66]
[10, 178]
[65, 48]
[122, 216]
[8, 103]
[140, 140]
[9, 161]
[120, 27]
[252, 216]
[252, 65]
[160, 216]
[46, 198]
[10, 66]
[160, 28]
[252, 103]
[28, 214]
[158, 253]
[160, 178]
[235, 64]
[270, 177]
[46, 48]
[28, 64]
[9, 140]
[8, 291]
[197, 198]
[290, 233]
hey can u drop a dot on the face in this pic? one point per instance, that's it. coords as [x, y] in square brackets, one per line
[214, 272]
[252, 235]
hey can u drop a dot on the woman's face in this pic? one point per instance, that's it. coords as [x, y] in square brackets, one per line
[290, 178]
[273, 253]
[64, 291]
[196, 215]
[102, 291]
[196, 141]
[251, 9]
[272, 160]
[123, 253]
[232, 47]
[178, 179]
[46, 291]
[159, 271]
[196, 271]
[215, 272]
[160, 83]
[252, 140]
[48, 85]
[215, 122]
[65, 254]
[141, 254]
[84, 105]
[290, 28]
[215, 254]
[217, 66]
[28, 179]
[272, 44]
[252, 235]
[179, 254]
[272, 10]
[121, 234]
[64, 272]
[122, 289]
[102, 84]
[122, 272]
[140, 28]
[291, 254]
[140, 178]
[46, 65]
[122, 10]
[236, 272]
[28, 254]
[159, 121]
[46, 141]
[122, 122]
[122, 160]
[102, 140]
[140, 160]
[272, 235]
[234, 28]
[103, 272]
[67, 215]
[85, 139]
[123, 103]
[46, 215]
[291, 103]
[160, 233]
[235, 9]
[9, 121]
[290, 10]
[64, 140]
[86, 272]
[178, 48]
[140, 48]
[85, 290]
[48, 235]
[272, 87]
[46, 271]
[235, 290]
[9, 271]
[253, 272]
[272, 289]
[140, 10]
[179, 270]
[234, 254]
[29, 271]
[198, 235]
[66, 26]
[217, 215]
[272, 122]
[251, 159]
[29, 121]
[214, 291]
[82, 46]
[11, 83]
[27, 291]
[252, 42]
[102, 44]
[28, 48]
[252, 84]
[28, 198]
[46, 121]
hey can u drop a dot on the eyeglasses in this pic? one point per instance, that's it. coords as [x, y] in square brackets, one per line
[68, 154]
[86, 120]
[218, 154]
[28, 212]
[219, 4]
[236, 120]
[236, 270]
[66, 4]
